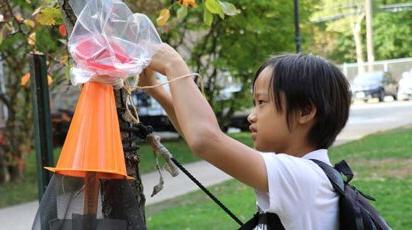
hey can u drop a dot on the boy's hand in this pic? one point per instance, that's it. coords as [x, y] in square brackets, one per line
[168, 61]
[147, 78]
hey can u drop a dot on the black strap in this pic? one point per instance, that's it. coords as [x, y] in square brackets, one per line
[271, 220]
[221, 205]
[344, 168]
[142, 131]
[252, 223]
[334, 176]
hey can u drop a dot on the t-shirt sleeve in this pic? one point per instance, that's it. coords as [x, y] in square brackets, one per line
[291, 182]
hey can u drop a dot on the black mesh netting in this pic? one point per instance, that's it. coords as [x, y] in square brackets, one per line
[63, 206]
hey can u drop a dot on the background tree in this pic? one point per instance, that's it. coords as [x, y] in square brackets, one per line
[393, 31]
[340, 18]
[25, 28]
[229, 51]
[333, 38]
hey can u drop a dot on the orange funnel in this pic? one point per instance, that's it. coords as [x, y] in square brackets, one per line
[93, 143]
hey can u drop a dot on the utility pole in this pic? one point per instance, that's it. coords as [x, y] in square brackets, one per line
[369, 34]
[297, 29]
[42, 120]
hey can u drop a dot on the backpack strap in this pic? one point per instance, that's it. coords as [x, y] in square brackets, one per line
[334, 176]
[344, 168]
[271, 220]
[253, 222]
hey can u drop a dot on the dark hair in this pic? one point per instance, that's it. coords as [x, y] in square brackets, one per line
[307, 80]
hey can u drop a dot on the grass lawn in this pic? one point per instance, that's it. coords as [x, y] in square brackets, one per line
[381, 163]
[26, 190]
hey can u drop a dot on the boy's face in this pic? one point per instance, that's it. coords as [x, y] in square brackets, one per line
[268, 126]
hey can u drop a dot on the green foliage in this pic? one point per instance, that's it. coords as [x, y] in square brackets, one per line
[25, 31]
[12, 41]
[392, 30]
[229, 8]
[214, 7]
[181, 12]
[49, 16]
[393, 35]
[207, 18]
[46, 40]
[209, 7]
[234, 47]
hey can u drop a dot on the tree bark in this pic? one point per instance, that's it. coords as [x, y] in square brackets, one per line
[369, 34]
[356, 30]
[114, 193]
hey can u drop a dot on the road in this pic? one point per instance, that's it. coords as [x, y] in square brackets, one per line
[364, 119]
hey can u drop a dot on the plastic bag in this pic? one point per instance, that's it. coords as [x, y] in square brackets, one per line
[108, 39]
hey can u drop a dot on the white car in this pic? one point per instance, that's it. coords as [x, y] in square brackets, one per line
[405, 86]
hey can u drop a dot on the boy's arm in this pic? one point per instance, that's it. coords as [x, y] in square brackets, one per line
[199, 125]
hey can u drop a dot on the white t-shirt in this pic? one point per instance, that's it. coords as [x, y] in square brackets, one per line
[300, 193]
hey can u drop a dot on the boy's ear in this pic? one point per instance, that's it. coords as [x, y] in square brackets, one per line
[307, 114]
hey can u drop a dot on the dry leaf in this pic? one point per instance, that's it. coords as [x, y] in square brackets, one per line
[32, 39]
[188, 3]
[163, 17]
[24, 80]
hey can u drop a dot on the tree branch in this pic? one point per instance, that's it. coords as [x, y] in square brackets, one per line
[5, 100]
[68, 15]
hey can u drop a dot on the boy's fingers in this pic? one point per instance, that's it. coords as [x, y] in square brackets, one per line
[148, 72]
[147, 78]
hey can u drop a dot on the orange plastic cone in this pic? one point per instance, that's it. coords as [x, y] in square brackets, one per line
[93, 143]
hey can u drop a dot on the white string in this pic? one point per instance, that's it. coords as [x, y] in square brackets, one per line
[167, 82]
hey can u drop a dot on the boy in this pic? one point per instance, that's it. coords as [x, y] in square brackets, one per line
[301, 103]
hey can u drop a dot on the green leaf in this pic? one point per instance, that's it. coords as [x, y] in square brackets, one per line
[1, 35]
[45, 42]
[48, 16]
[181, 12]
[213, 7]
[229, 8]
[222, 15]
[207, 17]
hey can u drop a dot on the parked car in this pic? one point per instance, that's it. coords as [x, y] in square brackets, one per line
[405, 86]
[374, 85]
[151, 112]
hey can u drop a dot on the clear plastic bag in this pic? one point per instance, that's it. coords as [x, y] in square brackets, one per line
[108, 39]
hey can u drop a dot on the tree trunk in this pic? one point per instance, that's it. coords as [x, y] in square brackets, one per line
[113, 206]
[18, 124]
[4, 173]
[357, 36]
[369, 34]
